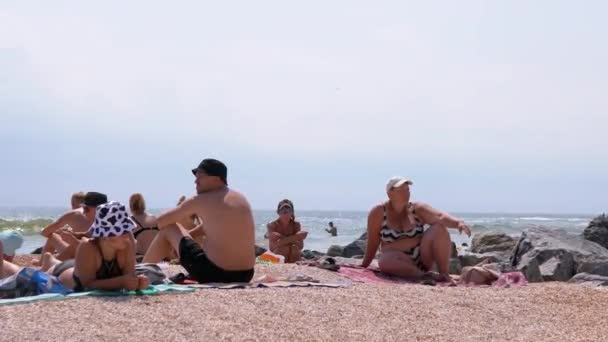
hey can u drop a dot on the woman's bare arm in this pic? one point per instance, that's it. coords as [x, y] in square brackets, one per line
[84, 268]
[430, 215]
[374, 221]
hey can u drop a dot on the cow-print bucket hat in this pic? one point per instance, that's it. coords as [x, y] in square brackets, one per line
[111, 219]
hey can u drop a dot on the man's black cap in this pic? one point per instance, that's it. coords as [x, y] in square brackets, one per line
[213, 167]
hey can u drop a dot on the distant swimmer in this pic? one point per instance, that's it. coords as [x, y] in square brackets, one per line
[333, 230]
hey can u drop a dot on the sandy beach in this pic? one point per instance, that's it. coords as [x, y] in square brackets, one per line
[362, 312]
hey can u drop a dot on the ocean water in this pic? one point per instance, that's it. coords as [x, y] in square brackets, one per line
[351, 224]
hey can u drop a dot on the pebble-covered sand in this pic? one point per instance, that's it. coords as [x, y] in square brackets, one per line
[539, 312]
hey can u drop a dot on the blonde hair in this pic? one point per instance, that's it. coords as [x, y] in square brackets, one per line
[78, 197]
[137, 204]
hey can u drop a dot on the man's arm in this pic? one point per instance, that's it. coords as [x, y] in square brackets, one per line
[186, 209]
[58, 224]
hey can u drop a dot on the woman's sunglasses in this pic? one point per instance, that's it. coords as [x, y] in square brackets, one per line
[284, 211]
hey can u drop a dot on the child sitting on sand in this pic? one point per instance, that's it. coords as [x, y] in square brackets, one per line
[284, 234]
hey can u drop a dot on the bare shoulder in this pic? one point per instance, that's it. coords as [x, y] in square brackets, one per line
[272, 225]
[72, 214]
[377, 210]
[421, 206]
[86, 249]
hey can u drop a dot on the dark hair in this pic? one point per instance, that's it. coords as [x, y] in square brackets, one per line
[289, 203]
[331, 223]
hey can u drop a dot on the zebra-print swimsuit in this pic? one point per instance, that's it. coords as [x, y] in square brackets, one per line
[388, 234]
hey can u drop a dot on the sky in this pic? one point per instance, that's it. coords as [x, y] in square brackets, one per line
[488, 106]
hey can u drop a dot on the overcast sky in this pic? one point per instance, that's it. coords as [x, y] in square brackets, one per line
[487, 106]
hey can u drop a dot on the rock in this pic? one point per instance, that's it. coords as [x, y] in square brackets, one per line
[455, 266]
[354, 248]
[309, 255]
[472, 259]
[334, 251]
[558, 268]
[37, 251]
[492, 242]
[564, 253]
[597, 231]
[258, 251]
[531, 270]
[589, 279]
[598, 267]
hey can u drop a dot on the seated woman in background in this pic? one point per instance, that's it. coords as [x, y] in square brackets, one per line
[146, 224]
[107, 260]
[284, 234]
[412, 236]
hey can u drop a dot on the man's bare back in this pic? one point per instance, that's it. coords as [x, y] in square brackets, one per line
[76, 219]
[229, 227]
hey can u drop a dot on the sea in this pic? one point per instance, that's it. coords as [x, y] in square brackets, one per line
[351, 224]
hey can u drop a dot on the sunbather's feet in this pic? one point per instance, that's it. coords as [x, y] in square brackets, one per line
[428, 278]
[47, 260]
[446, 278]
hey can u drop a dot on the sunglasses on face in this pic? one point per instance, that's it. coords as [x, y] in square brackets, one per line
[284, 211]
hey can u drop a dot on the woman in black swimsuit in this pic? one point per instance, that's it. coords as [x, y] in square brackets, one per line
[107, 260]
[412, 236]
[146, 229]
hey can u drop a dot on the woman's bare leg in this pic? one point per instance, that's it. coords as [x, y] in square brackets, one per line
[399, 264]
[435, 248]
[7, 268]
[295, 253]
[47, 262]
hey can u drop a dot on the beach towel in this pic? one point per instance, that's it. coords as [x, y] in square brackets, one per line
[370, 276]
[154, 272]
[274, 284]
[374, 276]
[151, 290]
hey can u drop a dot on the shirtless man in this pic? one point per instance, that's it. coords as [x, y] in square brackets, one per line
[79, 219]
[333, 230]
[227, 254]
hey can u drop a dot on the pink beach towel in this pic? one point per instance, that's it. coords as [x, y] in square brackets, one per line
[373, 276]
[511, 279]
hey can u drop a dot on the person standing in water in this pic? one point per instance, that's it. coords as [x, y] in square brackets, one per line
[285, 235]
[332, 229]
